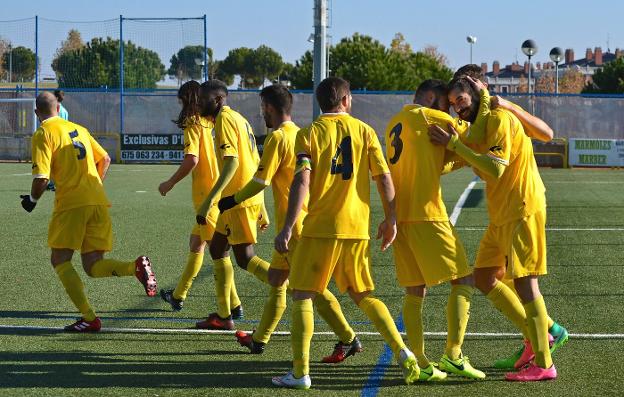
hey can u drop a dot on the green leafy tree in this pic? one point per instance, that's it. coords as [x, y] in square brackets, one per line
[236, 64]
[22, 62]
[609, 79]
[184, 65]
[97, 64]
[301, 76]
[253, 66]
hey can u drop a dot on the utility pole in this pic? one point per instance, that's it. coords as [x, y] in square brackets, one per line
[320, 48]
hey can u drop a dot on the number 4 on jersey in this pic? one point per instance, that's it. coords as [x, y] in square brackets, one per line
[346, 167]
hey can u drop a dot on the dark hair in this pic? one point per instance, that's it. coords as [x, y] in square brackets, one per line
[330, 92]
[189, 95]
[462, 84]
[59, 95]
[215, 85]
[279, 97]
[439, 87]
[470, 70]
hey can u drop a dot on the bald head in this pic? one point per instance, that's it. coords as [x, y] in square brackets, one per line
[47, 105]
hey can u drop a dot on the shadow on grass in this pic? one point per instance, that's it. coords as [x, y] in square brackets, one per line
[201, 369]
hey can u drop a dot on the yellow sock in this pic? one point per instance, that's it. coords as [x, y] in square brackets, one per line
[537, 320]
[234, 299]
[378, 313]
[510, 284]
[112, 267]
[259, 268]
[301, 336]
[412, 318]
[194, 263]
[505, 300]
[457, 314]
[75, 289]
[224, 278]
[274, 308]
[329, 309]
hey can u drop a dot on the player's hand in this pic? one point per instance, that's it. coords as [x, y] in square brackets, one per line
[27, 203]
[226, 203]
[202, 212]
[282, 239]
[438, 136]
[478, 85]
[498, 102]
[165, 187]
[387, 232]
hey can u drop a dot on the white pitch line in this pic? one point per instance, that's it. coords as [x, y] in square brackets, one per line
[462, 200]
[563, 229]
[586, 182]
[141, 191]
[286, 333]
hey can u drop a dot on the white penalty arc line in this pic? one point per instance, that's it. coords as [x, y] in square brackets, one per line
[462, 200]
[191, 331]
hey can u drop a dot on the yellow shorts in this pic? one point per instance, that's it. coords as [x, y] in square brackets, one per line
[206, 231]
[317, 260]
[520, 246]
[282, 261]
[428, 253]
[240, 225]
[86, 229]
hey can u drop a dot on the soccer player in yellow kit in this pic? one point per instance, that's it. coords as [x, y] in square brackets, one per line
[335, 156]
[535, 128]
[427, 249]
[200, 159]
[237, 158]
[277, 167]
[67, 153]
[516, 236]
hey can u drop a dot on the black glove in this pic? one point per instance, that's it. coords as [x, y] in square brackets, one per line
[200, 219]
[226, 203]
[27, 204]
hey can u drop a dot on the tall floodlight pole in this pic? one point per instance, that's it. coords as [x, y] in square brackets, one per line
[556, 55]
[471, 40]
[529, 48]
[320, 48]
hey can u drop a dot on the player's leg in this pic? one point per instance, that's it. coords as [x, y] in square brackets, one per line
[243, 224]
[98, 239]
[194, 262]
[328, 308]
[61, 262]
[247, 259]
[352, 274]
[224, 279]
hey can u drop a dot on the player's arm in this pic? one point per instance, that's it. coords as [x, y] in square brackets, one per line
[41, 166]
[230, 165]
[477, 129]
[452, 162]
[267, 168]
[101, 158]
[378, 167]
[489, 165]
[534, 127]
[192, 134]
[296, 197]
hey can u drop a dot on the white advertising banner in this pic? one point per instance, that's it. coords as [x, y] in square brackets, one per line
[596, 152]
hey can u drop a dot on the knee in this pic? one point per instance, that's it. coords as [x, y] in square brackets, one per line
[277, 278]
[357, 297]
[485, 280]
[217, 252]
[419, 291]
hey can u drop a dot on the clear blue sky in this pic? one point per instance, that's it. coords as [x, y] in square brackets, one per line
[285, 25]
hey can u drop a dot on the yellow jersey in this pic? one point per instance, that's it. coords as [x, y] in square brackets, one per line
[519, 192]
[66, 153]
[234, 138]
[199, 143]
[340, 151]
[277, 167]
[416, 164]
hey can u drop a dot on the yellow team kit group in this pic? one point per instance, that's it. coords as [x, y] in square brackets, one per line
[320, 177]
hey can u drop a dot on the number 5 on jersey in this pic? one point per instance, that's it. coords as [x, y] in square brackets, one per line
[82, 152]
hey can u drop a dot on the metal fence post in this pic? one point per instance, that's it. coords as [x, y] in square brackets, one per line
[36, 55]
[121, 76]
[205, 50]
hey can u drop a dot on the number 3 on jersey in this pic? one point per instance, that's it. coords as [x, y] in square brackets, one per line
[82, 152]
[346, 167]
[397, 143]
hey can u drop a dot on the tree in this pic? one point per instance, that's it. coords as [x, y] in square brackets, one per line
[546, 82]
[97, 64]
[399, 44]
[253, 66]
[572, 82]
[4, 47]
[22, 62]
[184, 64]
[434, 53]
[72, 43]
[369, 65]
[609, 79]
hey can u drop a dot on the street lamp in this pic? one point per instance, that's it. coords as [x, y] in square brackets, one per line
[471, 40]
[529, 48]
[556, 55]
